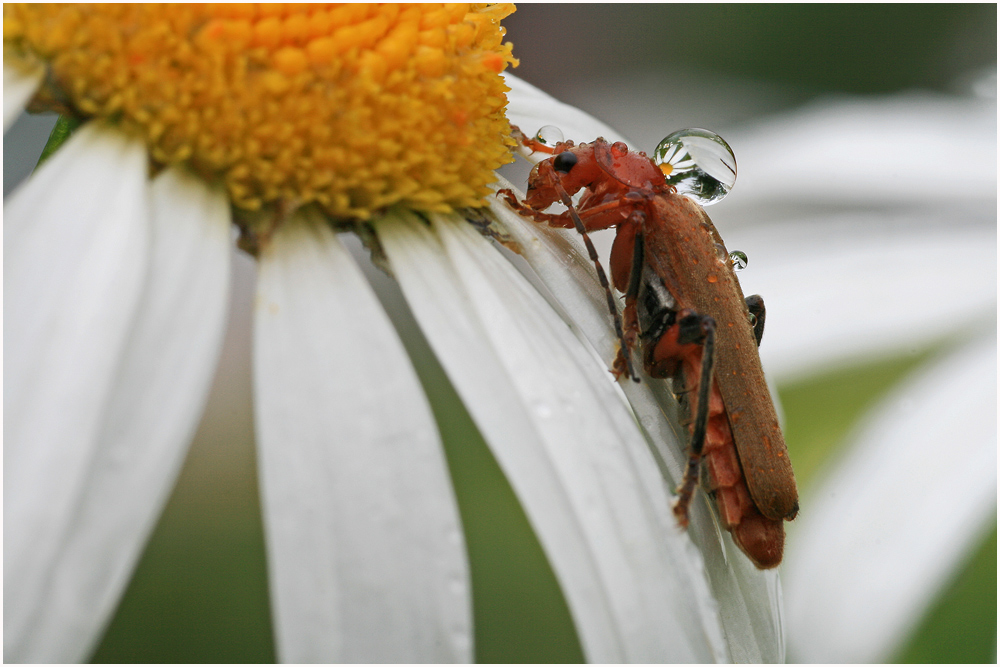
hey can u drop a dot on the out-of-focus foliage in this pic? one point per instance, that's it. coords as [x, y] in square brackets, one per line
[852, 48]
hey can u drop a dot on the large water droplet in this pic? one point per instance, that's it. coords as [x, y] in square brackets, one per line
[739, 260]
[699, 163]
[549, 135]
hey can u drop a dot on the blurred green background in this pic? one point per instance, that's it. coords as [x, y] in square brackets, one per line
[200, 592]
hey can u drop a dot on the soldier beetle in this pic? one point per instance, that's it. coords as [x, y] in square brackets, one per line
[686, 315]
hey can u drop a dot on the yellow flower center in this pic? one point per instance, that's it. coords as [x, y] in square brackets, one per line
[354, 107]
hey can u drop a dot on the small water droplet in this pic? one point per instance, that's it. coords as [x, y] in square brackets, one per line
[699, 163]
[753, 320]
[460, 639]
[739, 260]
[712, 278]
[549, 135]
[720, 252]
[456, 585]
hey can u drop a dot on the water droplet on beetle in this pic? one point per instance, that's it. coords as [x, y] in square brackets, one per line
[753, 320]
[712, 278]
[549, 135]
[699, 163]
[739, 260]
[720, 252]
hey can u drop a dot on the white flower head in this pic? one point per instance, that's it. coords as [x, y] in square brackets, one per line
[300, 125]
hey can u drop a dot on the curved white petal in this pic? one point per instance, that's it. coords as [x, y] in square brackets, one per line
[850, 286]
[155, 405]
[530, 109]
[18, 87]
[365, 549]
[75, 257]
[566, 442]
[882, 533]
[749, 600]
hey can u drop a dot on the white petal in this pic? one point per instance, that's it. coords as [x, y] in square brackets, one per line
[880, 536]
[155, 405]
[365, 550]
[18, 87]
[566, 442]
[851, 286]
[900, 150]
[75, 258]
[530, 109]
[749, 600]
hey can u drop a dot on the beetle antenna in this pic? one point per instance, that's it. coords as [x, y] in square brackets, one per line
[601, 276]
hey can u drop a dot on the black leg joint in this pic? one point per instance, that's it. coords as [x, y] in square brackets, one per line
[756, 306]
[693, 328]
[638, 257]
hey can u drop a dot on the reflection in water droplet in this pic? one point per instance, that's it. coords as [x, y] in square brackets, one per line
[549, 135]
[739, 260]
[702, 165]
[712, 278]
[753, 320]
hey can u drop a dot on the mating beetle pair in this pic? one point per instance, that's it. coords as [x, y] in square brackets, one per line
[686, 315]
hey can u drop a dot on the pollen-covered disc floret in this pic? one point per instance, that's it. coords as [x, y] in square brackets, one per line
[355, 107]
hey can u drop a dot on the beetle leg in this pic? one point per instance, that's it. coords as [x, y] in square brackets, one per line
[630, 314]
[608, 214]
[756, 306]
[696, 329]
[551, 219]
[595, 218]
[601, 276]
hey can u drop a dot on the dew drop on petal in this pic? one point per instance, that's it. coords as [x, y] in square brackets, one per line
[543, 409]
[739, 260]
[699, 163]
[549, 135]
[460, 638]
[456, 585]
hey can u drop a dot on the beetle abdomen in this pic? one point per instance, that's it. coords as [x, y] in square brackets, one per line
[760, 538]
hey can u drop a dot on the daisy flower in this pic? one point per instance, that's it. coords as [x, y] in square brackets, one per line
[298, 125]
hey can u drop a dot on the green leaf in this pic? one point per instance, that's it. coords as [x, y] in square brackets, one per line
[64, 129]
